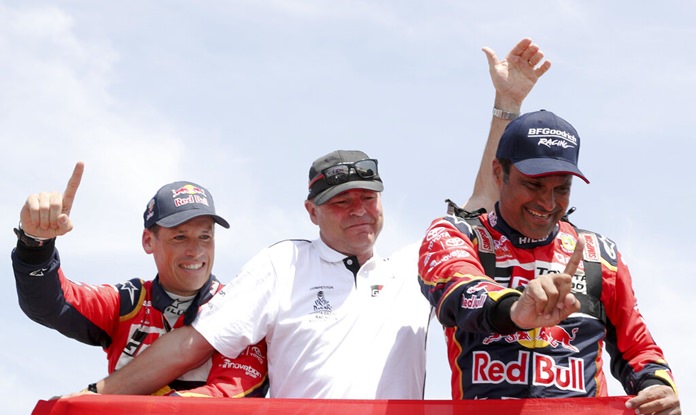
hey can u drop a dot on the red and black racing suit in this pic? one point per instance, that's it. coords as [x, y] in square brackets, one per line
[126, 318]
[492, 358]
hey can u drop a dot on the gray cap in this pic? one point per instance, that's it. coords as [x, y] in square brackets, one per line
[325, 182]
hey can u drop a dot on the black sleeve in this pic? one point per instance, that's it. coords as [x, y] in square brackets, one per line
[42, 299]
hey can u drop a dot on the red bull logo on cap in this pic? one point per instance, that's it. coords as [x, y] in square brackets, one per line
[195, 195]
[188, 189]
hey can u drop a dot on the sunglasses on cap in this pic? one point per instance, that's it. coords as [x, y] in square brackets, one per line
[340, 173]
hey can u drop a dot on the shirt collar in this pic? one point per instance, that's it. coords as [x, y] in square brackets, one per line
[329, 254]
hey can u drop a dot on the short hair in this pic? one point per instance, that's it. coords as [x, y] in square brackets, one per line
[154, 229]
[505, 166]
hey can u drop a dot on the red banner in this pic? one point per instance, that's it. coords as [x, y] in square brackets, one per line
[159, 405]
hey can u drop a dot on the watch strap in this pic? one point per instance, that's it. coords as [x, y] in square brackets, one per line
[504, 115]
[29, 240]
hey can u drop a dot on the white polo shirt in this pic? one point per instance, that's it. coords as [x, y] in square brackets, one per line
[331, 334]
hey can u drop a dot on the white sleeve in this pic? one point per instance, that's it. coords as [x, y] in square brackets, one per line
[239, 315]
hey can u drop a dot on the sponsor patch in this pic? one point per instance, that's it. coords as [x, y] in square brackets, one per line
[591, 252]
[248, 369]
[436, 234]
[545, 371]
[485, 241]
[568, 242]
[474, 302]
[454, 242]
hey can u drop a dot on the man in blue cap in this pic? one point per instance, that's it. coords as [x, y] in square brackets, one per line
[125, 319]
[526, 298]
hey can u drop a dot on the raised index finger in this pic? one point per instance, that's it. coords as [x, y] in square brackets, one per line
[71, 188]
[575, 259]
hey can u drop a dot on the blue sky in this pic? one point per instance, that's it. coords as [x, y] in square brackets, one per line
[241, 96]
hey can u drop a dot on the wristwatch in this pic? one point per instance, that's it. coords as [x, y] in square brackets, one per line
[28, 240]
[504, 115]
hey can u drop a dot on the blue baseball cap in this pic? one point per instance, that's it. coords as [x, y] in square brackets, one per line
[177, 202]
[541, 143]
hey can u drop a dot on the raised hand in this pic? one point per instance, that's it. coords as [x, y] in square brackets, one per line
[515, 76]
[547, 300]
[47, 214]
[513, 79]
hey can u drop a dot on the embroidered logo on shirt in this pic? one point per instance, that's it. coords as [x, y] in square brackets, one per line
[375, 290]
[321, 303]
[322, 308]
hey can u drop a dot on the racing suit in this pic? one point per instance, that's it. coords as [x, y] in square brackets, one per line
[492, 358]
[124, 319]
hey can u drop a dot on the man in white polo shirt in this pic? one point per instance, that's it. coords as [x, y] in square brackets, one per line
[340, 321]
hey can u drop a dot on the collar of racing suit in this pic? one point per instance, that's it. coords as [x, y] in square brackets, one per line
[160, 299]
[516, 238]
